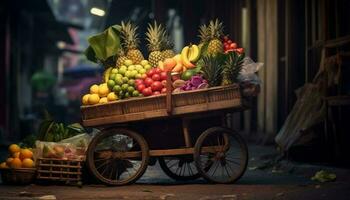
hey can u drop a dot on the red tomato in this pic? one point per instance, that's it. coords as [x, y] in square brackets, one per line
[240, 50]
[229, 41]
[163, 90]
[157, 70]
[140, 87]
[156, 93]
[233, 45]
[151, 72]
[164, 83]
[156, 77]
[157, 86]
[163, 75]
[226, 46]
[147, 91]
[138, 82]
[148, 81]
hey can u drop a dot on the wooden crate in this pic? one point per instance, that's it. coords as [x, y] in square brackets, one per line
[135, 109]
[59, 170]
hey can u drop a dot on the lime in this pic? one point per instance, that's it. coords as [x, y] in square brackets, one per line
[144, 62]
[114, 71]
[147, 67]
[118, 80]
[131, 82]
[135, 93]
[112, 76]
[187, 75]
[125, 79]
[131, 89]
[110, 83]
[142, 71]
[117, 89]
[128, 62]
[131, 67]
[125, 87]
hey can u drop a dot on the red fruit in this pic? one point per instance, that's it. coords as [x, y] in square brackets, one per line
[143, 76]
[229, 41]
[156, 77]
[147, 91]
[138, 82]
[140, 87]
[157, 70]
[240, 50]
[174, 78]
[225, 38]
[226, 46]
[163, 90]
[151, 72]
[148, 81]
[233, 45]
[164, 83]
[157, 86]
[163, 75]
[156, 93]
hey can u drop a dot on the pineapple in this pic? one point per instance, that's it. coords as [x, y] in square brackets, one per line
[212, 70]
[120, 57]
[168, 46]
[215, 45]
[204, 35]
[130, 42]
[155, 35]
[232, 68]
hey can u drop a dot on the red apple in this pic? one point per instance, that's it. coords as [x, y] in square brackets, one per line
[163, 75]
[151, 72]
[164, 83]
[156, 77]
[156, 93]
[138, 82]
[147, 91]
[163, 90]
[157, 70]
[140, 87]
[148, 81]
[157, 86]
[143, 76]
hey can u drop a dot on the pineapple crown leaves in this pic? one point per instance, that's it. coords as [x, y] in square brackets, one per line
[216, 29]
[155, 35]
[233, 65]
[203, 33]
[167, 42]
[212, 69]
[130, 37]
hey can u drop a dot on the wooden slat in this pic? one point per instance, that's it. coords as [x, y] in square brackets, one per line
[59, 172]
[59, 178]
[65, 166]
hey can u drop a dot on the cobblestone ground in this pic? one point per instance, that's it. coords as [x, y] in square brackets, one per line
[289, 182]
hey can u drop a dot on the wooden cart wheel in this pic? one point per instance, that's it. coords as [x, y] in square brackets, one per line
[180, 168]
[221, 155]
[118, 156]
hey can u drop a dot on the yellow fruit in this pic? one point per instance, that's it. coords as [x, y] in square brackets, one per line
[16, 163]
[25, 153]
[13, 148]
[103, 90]
[85, 99]
[16, 155]
[3, 165]
[94, 99]
[94, 89]
[9, 161]
[103, 100]
[27, 163]
[112, 97]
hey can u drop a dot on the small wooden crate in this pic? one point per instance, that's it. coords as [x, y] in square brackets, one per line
[59, 170]
[21, 176]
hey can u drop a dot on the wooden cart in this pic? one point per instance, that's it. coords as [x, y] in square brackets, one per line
[185, 132]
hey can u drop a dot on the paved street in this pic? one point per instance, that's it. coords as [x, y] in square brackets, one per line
[287, 182]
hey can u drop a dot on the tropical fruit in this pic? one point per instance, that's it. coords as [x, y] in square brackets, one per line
[215, 45]
[14, 148]
[94, 89]
[212, 70]
[27, 163]
[130, 42]
[25, 153]
[85, 99]
[16, 163]
[232, 68]
[103, 90]
[155, 36]
[103, 100]
[111, 96]
[94, 99]
[167, 46]
[120, 57]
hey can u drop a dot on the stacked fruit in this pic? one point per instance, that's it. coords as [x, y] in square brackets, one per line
[19, 158]
[154, 83]
[99, 94]
[231, 46]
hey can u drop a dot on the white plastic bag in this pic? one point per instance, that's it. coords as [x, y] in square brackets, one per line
[248, 72]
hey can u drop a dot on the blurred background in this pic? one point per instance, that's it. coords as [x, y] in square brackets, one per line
[42, 66]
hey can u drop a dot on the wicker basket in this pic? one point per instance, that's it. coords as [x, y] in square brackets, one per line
[135, 109]
[59, 170]
[22, 176]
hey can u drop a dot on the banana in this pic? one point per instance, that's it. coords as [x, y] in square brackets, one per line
[106, 74]
[194, 53]
[184, 57]
[161, 65]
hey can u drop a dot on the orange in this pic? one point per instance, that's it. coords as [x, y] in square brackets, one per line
[16, 155]
[16, 163]
[26, 153]
[13, 148]
[28, 163]
[9, 161]
[3, 165]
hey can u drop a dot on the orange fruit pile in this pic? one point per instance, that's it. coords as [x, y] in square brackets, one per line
[19, 158]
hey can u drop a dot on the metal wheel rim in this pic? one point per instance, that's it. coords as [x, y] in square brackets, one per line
[180, 168]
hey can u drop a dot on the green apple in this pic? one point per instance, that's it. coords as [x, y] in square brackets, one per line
[142, 71]
[112, 76]
[122, 71]
[121, 94]
[131, 82]
[131, 67]
[119, 75]
[148, 67]
[110, 83]
[128, 62]
[114, 71]
[118, 81]
[125, 79]
[138, 67]
[144, 62]
[125, 87]
[128, 74]
[133, 73]
[126, 95]
[117, 89]
[131, 89]
[135, 93]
